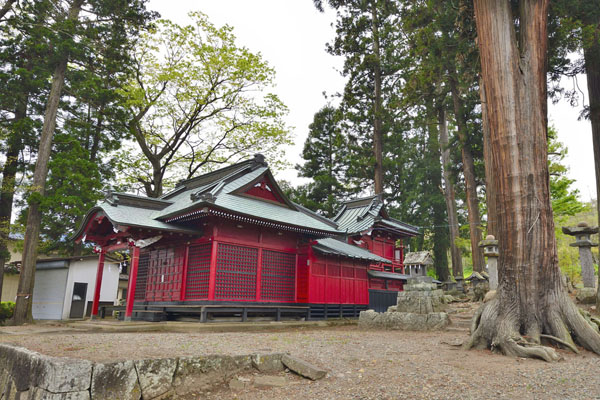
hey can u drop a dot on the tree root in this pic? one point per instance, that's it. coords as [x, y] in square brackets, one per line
[476, 319]
[524, 349]
[568, 345]
[513, 334]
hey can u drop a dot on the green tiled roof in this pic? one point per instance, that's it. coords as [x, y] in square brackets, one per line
[219, 191]
[132, 216]
[365, 213]
[388, 275]
[337, 247]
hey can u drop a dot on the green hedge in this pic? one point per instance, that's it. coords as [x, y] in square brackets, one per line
[6, 310]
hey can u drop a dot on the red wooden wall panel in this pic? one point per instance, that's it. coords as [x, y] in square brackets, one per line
[198, 271]
[236, 272]
[278, 276]
[302, 276]
[165, 273]
[336, 280]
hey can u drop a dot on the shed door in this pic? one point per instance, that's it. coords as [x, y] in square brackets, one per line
[49, 293]
[78, 300]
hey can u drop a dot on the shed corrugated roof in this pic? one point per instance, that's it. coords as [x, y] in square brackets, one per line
[337, 247]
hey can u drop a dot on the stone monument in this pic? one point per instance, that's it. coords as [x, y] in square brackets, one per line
[490, 250]
[582, 234]
[420, 307]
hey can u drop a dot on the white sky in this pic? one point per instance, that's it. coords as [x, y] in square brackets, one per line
[291, 36]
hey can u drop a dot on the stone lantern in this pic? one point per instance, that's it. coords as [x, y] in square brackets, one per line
[582, 233]
[490, 250]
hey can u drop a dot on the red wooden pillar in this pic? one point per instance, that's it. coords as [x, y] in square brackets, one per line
[98, 286]
[212, 275]
[259, 274]
[402, 254]
[185, 271]
[133, 271]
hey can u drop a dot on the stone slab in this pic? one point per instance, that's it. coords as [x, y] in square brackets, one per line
[118, 381]
[303, 368]
[155, 376]
[267, 363]
[208, 371]
[54, 374]
[62, 375]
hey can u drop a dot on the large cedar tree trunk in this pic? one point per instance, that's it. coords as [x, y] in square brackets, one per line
[22, 313]
[7, 189]
[591, 55]
[468, 172]
[531, 303]
[377, 129]
[436, 198]
[457, 267]
[489, 173]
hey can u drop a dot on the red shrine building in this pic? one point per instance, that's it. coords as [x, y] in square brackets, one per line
[231, 242]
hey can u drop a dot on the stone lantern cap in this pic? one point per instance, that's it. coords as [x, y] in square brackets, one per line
[582, 233]
[490, 246]
[581, 229]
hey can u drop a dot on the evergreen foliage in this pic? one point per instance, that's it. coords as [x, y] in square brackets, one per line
[90, 117]
[325, 162]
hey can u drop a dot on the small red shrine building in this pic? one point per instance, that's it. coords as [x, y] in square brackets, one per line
[231, 238]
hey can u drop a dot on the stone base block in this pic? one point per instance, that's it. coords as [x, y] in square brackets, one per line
[586, 295]
[403, 321]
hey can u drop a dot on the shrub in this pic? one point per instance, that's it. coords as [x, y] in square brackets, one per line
[6, 310]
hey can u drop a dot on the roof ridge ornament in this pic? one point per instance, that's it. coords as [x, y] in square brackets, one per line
[110, 196]
[259, 161]
[207, 196]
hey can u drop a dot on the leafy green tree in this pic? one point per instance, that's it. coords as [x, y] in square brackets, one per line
[324, 155]
[565, 200]
[197, 100]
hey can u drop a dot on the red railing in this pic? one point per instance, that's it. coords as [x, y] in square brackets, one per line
[393, 267]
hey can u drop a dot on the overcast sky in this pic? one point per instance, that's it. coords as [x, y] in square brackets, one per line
[291, 36]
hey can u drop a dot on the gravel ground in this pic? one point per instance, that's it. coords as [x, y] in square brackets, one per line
[361, 364]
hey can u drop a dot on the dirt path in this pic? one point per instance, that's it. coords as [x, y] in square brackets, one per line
[361, 364]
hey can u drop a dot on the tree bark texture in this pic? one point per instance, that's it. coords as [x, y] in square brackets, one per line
[7, 190]
[489, 173]
[592, 69]
[457, 267]
[377, 128]
[22, 313]
[440, 231]
[468, 172]
[531, 303]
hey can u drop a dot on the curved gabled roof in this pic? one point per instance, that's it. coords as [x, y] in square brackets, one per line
[221, 192]
[362, 214]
